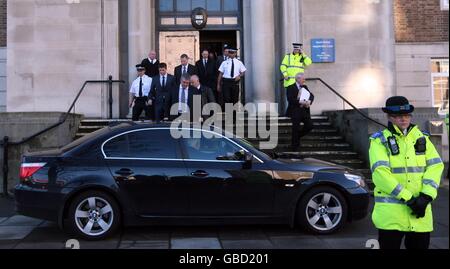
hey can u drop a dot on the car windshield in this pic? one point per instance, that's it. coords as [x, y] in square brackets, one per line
[249, 144]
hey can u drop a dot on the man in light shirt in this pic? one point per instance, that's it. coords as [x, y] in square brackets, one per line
[230, 72]
[139, 94]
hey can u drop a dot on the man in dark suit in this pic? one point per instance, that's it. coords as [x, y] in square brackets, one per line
[182, 97]
[206, 68]
[205, 92]
[151, 64]
[184, 68]
[300, 100]
[222, 58]
[161, 86]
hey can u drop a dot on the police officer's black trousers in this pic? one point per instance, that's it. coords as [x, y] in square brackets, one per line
[297, 131]
[230, 91]
[393, 240]
[139, 106]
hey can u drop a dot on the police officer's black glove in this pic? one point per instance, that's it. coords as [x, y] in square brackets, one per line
[419, 205]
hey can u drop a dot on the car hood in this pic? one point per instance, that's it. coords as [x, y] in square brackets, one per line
[310, 164]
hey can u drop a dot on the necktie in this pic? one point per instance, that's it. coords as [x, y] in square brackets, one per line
[183, 99]
[184, 70]
[204, 63]
[183, 96]
[163, 85]
[140, 88]
[232, 69]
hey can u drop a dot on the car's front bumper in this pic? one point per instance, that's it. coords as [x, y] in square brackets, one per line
[359, 199]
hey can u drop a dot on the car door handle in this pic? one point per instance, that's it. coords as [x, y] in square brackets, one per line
[200, 174]
[124, 172]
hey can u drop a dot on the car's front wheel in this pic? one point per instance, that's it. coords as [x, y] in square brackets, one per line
[323, 210]
[93, 215]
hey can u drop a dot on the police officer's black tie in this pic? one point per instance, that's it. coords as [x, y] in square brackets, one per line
[140, 89]
[232, 69]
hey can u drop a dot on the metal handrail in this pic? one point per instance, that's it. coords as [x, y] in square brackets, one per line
[346, 101]
[5, 143]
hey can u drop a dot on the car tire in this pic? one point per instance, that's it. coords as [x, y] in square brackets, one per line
[93, 215]
[322, 210]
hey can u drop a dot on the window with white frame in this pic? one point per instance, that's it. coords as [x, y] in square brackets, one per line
[444, 4]
[439, 82]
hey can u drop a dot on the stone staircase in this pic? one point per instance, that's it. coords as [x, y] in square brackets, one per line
[324, 142]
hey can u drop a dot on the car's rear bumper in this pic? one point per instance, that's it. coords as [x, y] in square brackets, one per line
[36, 203]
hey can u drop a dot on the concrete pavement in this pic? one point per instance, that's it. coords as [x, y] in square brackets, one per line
[19, 232]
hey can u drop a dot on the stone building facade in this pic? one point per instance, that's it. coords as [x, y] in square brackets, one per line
[3, 55]
[382, 47]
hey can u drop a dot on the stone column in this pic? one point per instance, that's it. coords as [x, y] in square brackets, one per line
[110, 58]
[141, 32]
[291, 30]
[262, 54]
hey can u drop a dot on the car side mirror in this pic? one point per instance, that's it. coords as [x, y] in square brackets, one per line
[248, 160]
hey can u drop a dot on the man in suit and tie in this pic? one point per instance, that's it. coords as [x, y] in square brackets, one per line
[181, 97]
[300, 99]
[205, 92]
[151, 64]
[222, 58]
[184, 68]
[162, 84]
[206, 68]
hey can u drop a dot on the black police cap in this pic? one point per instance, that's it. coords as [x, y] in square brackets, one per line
[398, 105]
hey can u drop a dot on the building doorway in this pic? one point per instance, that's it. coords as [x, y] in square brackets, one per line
[214, 41]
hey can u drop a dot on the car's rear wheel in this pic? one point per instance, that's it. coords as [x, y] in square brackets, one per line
[323, 210]
[93, 215]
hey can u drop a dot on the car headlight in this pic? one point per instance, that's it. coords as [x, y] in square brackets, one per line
[355, 178]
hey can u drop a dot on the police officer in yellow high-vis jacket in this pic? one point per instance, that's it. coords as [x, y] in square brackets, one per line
[406, 171]
[294, 63]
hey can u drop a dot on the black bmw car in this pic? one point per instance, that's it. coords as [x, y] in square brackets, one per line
[139, 174]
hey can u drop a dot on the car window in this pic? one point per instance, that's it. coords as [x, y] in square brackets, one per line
[210, 149]
[149, 144]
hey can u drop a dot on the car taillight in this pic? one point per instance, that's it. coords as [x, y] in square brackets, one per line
[27, 170]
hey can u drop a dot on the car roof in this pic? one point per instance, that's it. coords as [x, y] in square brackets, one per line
[131, 126]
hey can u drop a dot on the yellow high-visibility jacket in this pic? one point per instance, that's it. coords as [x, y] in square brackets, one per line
[399, 178]
[292, 65]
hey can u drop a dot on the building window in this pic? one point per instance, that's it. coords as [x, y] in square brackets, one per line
[177, 13]
[439, 77]
[444, 4]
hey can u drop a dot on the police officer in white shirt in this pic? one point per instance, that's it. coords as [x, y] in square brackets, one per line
[231, 72]
[139, 94]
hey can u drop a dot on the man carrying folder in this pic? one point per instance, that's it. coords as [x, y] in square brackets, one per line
[300, 100]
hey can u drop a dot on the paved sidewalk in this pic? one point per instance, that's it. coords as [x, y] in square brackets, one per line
[19, 232]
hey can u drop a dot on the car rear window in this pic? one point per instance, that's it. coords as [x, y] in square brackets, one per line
[91, 136]
[143, 144]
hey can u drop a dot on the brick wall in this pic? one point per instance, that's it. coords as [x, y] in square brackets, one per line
[420, 21]
[2, 23]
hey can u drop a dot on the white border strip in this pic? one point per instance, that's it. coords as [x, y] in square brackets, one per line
[157, 159]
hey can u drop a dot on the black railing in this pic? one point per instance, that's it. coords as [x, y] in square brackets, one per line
[346, 101]
[5, 143]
